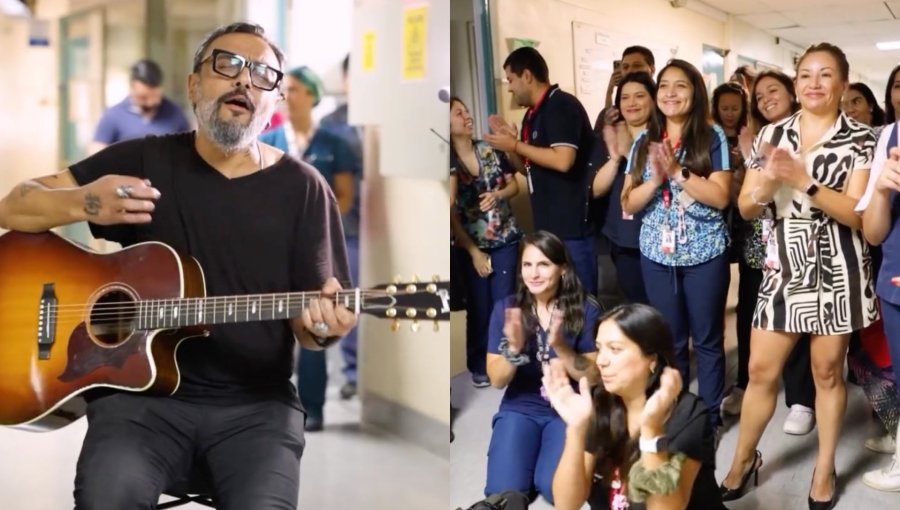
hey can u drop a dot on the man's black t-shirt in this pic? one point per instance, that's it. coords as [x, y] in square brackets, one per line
[275, 230]
[689, 432]
[559, 200]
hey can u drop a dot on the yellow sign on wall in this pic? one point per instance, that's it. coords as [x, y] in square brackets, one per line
[368, 51]
[415, 42]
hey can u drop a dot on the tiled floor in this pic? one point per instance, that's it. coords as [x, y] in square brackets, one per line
[784, 479]
[343, 467]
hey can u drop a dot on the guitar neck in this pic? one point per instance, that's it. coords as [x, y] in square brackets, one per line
[176, 313]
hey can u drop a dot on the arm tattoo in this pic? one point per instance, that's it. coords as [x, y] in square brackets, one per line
[91, 204]
[26, 188]
[581, 363]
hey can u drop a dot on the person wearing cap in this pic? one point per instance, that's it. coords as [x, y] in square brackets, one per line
[144, 112]
[329, 153]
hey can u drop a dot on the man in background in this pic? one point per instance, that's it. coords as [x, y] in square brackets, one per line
[144, 112]
[336, 121]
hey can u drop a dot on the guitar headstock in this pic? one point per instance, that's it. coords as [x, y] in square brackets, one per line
[412, 301]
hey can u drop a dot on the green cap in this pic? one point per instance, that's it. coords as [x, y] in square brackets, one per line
[310, 80]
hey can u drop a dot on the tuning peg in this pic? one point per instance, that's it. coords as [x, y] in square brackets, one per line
[415, 278]
[436, 327]
[431, 313]
[414, 327]
[411, 289]
[391, 312]
[395, 325]
[411, 313]
[431, 288]
[435, 278]
[398, 279]
[391, 290]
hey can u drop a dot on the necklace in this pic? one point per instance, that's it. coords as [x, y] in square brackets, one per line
[259, 152]
[543, 345]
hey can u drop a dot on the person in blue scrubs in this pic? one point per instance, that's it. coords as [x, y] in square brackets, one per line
[331, 155]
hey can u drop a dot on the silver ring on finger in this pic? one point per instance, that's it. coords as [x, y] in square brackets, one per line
[320, 328]
[123, 191]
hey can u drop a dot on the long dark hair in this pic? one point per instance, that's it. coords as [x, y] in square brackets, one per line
[890, 116]
[758, 120]
[697, 134]
[569, 293]
[454, 155]
[877, 112]
[645, 326]
[730, 88]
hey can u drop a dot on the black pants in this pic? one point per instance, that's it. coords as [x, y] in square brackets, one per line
[137, 446]
[628, 273]
[799, 387]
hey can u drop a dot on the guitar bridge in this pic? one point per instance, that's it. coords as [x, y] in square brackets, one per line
[46, 321]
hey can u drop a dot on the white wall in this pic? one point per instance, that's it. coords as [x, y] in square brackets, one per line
[28, 127]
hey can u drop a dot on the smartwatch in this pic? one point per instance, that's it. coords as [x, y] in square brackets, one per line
[812, 189]
[654, 445]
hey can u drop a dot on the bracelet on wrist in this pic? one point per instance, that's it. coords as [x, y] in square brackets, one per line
[518, 359]
[756, 200]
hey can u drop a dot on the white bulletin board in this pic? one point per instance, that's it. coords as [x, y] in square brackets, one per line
[594, 49]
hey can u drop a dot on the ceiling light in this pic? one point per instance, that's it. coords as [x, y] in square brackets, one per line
[889, 45]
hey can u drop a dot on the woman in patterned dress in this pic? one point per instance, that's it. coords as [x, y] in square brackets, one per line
[818, 277]
[481, 183]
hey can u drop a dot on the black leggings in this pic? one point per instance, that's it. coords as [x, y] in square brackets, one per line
[137, 446]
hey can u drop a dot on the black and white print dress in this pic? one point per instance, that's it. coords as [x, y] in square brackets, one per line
[822, 283]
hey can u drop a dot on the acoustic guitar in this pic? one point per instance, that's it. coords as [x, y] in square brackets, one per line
[72, 319]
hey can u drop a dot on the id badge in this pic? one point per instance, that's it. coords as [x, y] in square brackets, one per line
[772, 260]
[528, 178]
[627, 217]
[668, 241]
[766, 229]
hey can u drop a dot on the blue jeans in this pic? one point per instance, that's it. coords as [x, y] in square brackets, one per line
[481, 294]
[524, 453]
[584, 257]
[692, 300]
[349, 343]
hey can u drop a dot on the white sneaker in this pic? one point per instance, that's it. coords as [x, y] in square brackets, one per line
[882, 444]
[887, 479]
[800, 420]
[731, 405]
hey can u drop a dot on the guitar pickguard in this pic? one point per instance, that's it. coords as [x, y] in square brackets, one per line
[85, 356]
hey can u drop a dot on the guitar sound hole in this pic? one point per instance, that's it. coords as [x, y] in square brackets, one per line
[113, 317]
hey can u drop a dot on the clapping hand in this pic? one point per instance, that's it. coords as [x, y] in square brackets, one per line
[889, 179]
[576, 409]
[659, 406]
[503, 134]
[512, 330]
[783, 166]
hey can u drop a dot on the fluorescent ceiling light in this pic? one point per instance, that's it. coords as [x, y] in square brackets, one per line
[889, 45]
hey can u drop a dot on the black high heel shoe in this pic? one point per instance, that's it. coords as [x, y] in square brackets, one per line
[825, 505]
[740, 490]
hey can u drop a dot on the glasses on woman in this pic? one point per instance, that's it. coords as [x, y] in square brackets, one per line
[230, 65]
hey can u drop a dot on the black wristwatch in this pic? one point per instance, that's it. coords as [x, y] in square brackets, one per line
[685, 173]
[812, 189]
[655, 445]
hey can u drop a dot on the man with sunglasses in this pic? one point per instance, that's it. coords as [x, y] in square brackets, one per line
[144, 112]
[257, 222]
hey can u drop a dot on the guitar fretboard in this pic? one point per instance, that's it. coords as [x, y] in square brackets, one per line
[174, 313]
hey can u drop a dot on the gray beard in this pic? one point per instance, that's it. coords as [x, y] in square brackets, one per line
[230, 136]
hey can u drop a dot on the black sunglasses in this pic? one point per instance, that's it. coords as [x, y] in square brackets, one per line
[230, 65]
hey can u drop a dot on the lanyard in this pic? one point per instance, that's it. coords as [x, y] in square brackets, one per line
[543, 345]
[526, 122]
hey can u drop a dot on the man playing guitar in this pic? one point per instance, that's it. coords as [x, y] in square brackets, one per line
[257, 222]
